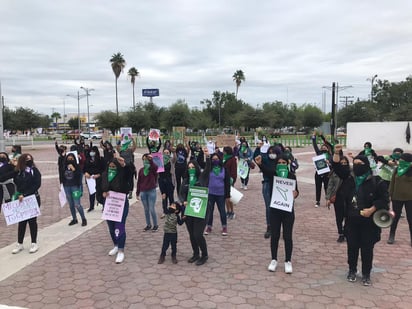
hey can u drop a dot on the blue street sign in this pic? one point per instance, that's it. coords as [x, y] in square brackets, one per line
[150, 92]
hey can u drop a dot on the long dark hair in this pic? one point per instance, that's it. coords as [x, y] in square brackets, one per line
[21, 162]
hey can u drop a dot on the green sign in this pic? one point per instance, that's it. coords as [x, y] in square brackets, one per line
[197, 202]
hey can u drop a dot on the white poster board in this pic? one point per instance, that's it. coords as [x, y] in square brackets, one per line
[16, 211]
[282, 193]
[321, 165]
[114, 206]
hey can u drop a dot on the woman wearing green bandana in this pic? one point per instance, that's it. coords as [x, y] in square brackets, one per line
[146, 189]
[401, 194]
[230, 164]
[367, 195]
[115, 178]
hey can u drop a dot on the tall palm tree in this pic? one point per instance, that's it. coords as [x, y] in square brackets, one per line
[133, 73]
[238, 77]
[118, 64]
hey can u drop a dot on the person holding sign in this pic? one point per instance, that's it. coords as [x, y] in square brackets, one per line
[93, 169]
[245, 163]
[322, 170]
[146, 189]
[196, 224]
[280, 217]
[7, 173]
[28, 182]
[166, 181]
[115, 179]
[72, 185]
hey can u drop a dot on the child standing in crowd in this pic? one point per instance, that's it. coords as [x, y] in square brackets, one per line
[28, 182]
[172, 218]
[146, 189]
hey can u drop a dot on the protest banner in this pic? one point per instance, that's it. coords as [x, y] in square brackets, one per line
[197, 202]
[226, 140]
[158, 160]
[321, 165]
[282, 193]
[16, 211]
[114, 206]
[242, 168]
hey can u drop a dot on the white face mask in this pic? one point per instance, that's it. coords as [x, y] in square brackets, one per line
[92, 153]
[272, 156]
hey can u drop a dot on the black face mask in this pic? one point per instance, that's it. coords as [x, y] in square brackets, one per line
[29, 163]
[345, 169]
[3, 160]
[360, 169]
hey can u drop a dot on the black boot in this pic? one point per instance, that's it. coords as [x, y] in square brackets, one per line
[391, 239]
[267, 233]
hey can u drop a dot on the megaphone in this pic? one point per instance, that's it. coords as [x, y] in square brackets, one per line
[383, 218]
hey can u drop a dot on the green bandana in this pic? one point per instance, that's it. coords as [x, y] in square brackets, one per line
[192, 176]
[360, 179]
[146, 167]
[403, 167]
[368, 151]
[111, 173]
[125, 145]
[15, 196]
[282, 170]
[77, 194]
[243, 149]
[396, 156]
[216, 170]
[166, 159]
[327, 155]
[226, 157]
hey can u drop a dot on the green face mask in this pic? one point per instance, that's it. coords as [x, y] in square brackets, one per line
[111, 173]
[166, 159]
[396, 156]
[403, 167]
[368, 151]
[243, 149]
[146, 167]
[282, 170]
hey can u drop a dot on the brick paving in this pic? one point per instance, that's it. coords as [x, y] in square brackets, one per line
[80, 274]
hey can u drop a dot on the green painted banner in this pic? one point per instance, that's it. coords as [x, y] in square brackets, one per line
[197, 202]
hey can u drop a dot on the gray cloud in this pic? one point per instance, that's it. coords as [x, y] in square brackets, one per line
[188, 49]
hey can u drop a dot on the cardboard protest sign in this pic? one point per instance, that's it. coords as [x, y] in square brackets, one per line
[197, 202]
[16, 211]
[114, 206]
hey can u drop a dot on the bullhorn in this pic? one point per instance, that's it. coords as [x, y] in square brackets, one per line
[383, 218]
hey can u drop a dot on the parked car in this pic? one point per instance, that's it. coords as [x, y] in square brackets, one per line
[92, 135]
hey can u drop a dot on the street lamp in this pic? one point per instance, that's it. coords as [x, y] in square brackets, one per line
[87, 90]
[372, 80]
[78, 97]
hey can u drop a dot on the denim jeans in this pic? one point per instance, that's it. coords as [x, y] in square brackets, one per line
[148, 199]
[119, 240]
[74, 203]
[220, 201]
[267, 195]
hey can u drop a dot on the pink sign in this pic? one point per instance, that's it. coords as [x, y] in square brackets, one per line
[114, 206]
[158, 160]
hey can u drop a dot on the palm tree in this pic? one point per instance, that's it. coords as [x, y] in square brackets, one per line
[133, 73]
[118, 64]
[56, 116]
[238, 77]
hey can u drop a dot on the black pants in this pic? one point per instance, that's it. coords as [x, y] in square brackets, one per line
[339, 207]
[22, 230]
[279, 218]
[361, 235]
[196, 227]
[169, 239]
[319, 180]
[179, 173]
[166, 187]
[397, 208]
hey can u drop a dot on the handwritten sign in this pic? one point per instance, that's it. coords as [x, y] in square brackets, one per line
[226, 140]
[16, 211]
[114, 206]
[62, 196]
[282, 193]
[91, 185]
[158, 160]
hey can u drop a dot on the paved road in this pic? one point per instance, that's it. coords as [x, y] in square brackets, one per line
[72, 268]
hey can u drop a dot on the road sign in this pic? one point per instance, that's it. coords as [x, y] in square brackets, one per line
[150, 92]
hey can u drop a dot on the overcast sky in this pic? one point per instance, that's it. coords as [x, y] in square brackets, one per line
[288, 50]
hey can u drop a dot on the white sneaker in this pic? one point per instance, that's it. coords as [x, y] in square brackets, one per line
[119, 257]
[34, 247]
[272, 265]
[19, 247]
[113, 251]
[288, 267]
[245, 188]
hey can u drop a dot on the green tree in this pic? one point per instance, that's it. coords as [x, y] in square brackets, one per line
[178, 114]
[118, 63]
[55, 116]
[238, 78]
[109, 120]
[311, 116]
[133, 73]
[136, 119]
[73, 123]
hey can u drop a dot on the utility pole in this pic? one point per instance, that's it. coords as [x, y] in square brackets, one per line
[372, 80]
[346, 101]
[2, 147]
